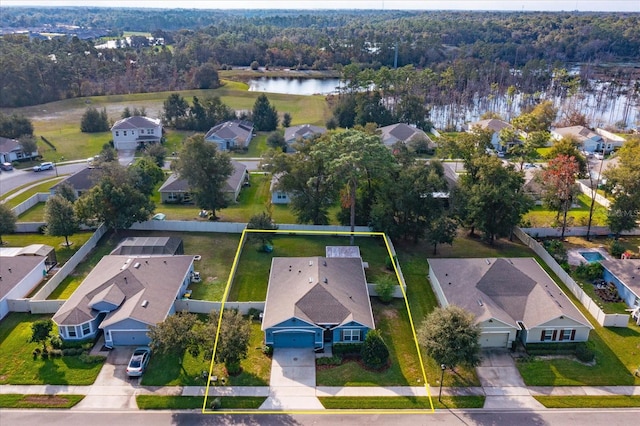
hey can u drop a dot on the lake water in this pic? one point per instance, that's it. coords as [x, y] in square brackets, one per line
[294, 86]
[602, 107]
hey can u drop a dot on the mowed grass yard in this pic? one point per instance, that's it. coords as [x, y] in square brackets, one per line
[540, 216]
[18, 366]
[252, 276]
[59, 121]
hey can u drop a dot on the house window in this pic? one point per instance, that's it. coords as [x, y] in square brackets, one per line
[351, 335]
[71, 331]
[567, 334]
[636, 302]
[124, 133]
[86, 329]
[547, 335]
[117, 133]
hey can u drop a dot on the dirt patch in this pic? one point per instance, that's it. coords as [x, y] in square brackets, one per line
[389, 313]
[46, 399]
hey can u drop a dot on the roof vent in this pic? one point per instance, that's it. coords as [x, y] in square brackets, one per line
[324, 263]
[325, 280]
[137, 265]
[488, 261]
[310, 280]
[311, 263]
[144, 303]
[9, 270]
[480, 302]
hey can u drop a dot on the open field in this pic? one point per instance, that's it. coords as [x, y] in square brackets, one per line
[59, 121]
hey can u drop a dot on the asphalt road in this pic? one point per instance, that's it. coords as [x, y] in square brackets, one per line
[593, 417]
[15, 178]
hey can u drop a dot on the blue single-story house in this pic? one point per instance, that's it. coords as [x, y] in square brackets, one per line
[124, 296]
[625, 274]
[316, 301]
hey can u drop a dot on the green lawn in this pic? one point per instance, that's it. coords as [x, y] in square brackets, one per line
[14, 400]
[540, 216]
[34, 214]
[166, 370]
[401, 402]
[581, 401]
[155, 402]
[24, 196]
[404, 370]
[250, 283]
[19, 367]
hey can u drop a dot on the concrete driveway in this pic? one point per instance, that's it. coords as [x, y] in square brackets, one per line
[293, 381]
[502, 382]
[113, 389]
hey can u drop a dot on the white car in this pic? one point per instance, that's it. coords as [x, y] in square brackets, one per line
[599, 155]
[139, 361]
[43, 166]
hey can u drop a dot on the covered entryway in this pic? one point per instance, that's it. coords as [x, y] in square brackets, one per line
[294, 339]
[494, 340]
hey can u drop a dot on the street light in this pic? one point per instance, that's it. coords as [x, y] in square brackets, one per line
[442, 367]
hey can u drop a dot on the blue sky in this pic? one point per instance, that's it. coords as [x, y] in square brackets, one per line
[526, 5]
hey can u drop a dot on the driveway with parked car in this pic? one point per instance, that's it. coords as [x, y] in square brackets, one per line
[139, 361]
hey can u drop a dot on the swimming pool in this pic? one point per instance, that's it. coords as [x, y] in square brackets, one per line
[592, 256]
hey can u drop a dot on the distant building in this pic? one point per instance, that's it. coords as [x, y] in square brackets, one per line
[590, 141]
[18, 276]
[11, 150]
[404, 133]
[495, 126]
[235, 134]
[302, 132]
[134, 132]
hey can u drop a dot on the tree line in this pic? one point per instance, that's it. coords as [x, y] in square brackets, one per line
[464, 50]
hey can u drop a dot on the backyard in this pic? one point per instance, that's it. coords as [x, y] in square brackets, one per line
[540, 216]
[252, 276]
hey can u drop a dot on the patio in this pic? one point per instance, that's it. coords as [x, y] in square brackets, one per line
[578, 256]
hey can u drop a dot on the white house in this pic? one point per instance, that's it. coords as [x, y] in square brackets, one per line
[495, 126]
[230, 135]
[137, 131]
[11, 150]
[590, 141]
[513, 299]
[278, 196]
[304, 131]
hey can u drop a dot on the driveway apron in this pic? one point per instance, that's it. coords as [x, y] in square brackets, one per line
[112, 388]
[502, 382]
[293, 381]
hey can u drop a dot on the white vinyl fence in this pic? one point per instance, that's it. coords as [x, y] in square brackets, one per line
[606, 320]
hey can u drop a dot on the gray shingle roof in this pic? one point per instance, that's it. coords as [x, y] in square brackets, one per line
[9, 145]
[318, 290]
[136, 122]
[627, 271]
[236, 130]
[13, 269]
[82, 180]
[580, 133]
[492, 124]
[402, 132]
[175, 184]
[508, 289]
[291, 134]
[156, 279]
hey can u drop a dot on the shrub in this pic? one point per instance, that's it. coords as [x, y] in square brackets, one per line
[347, 349]
[385, 288]
[90, 359]
[55, 353]
[56, 342]
[332, 360]
[267, 350]
[616, 249]
[233, 368]
[584, 352]
[254, 313]
[589, 271]
[375, 353]
[556, 249]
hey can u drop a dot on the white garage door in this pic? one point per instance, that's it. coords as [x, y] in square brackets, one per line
[494, 340]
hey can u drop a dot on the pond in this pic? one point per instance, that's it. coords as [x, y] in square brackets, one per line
[294, 86]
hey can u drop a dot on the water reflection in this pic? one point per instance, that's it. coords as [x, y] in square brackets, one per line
[294, 86]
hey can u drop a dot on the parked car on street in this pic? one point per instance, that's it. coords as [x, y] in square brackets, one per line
[43, 166]
[6, 166]
[139, 361]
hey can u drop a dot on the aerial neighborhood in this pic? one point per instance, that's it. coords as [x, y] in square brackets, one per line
[281, 212]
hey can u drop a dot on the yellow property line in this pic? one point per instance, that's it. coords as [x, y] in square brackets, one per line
[406, 302]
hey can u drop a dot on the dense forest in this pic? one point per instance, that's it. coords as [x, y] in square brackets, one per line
[480, 53]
